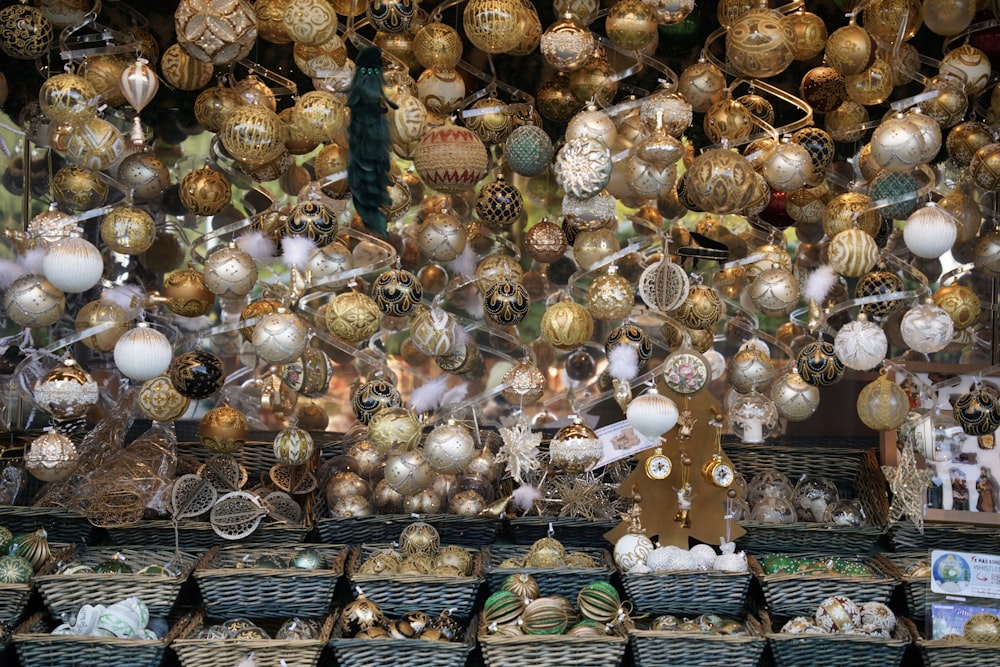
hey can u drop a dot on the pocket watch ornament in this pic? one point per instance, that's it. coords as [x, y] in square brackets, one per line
[67, 391]
[861, 345]
[883, 405]
[926, 328]
[51, 457]
[752, 416]
[977, 411]
[575, 448]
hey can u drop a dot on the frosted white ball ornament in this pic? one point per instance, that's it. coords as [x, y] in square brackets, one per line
[861, 344]
[926, 328]
[930, 232]
[73, 265]
[143, 353]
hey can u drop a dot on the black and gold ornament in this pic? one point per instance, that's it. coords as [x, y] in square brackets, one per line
[819, 365]
[633, 335]
[314, 220]
[879, 283]
[197, 374]
[499, 203]
[507, 302]
[397, 292]
[373, 396]
[978, 411]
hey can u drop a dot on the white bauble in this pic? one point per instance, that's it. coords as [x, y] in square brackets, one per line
[632, 549]
[659, 558]
[929, 232]
[704, 556]
[861, 345]
[652, 414]
[143, 353]
[73, 264]
[926, 328]
[449, 448]
[878, 615]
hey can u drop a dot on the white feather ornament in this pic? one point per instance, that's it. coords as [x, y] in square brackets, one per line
[623, 362]
[258, 246]
[427, 397]
[9, 272]
[525, 497]
[819, 283]
[464, 264]
[296, 250]
[32, 260]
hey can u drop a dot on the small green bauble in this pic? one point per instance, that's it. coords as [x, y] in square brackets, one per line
[155, 571]
[114, 565]
[15, 570]
[898, 187]
[528, 150]
[309, 559]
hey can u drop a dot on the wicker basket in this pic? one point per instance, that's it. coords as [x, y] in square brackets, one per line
[571, 531]
[841, 649]
[855, 472]
[465, 531]
[402, 652]
[688, 592]
[548, 650]
[945, 536]
[199, 536]
[257, 455]
[37, 648]
[960, 653]
[66, 593]
[230, 590]
[653, 648]
[914, 588]
[13, 601]
[793, 594]
[398, 594]
[561, 581]
[195, 652]
[60, 524]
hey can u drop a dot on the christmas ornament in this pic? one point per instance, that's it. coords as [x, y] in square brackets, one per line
[407, 472]
[528, 150]
[449, 448]
[861, 345]
[25, 33]
[575, 448]
[437, 46]
[760, 43]
[610, 297]
[293, 446]
[794, 398]
[883, 405]
[66, 392]
[850, 50]
[450, 159]
[396, 292]
[66, 98]
[545, 241]
[76, 189]
[98, 313]
[499, 204]
[506, 303]
[819, 365]
[73, 264]
[567, 45]
[775, 292]
[223, 430]
[219, 33]
[197, 374]
[525, 383]
[720, 181]
[852, 252]
[253, 134]
[749, 369]
[186, 294]
[977, 411]
[926, 328]
[373, 396]
[752, 416]
[128, 230]
[51, 457]
[591, 247]
[353, 316]
[701, 309]
[434, 332]
[142, 353]
[567, 325]
[393, 427]
[160, 401]
[701, 85]
[280, 337]
[929, 232]
[960, 302]
[583, 167]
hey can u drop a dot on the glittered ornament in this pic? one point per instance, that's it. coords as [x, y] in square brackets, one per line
[984, 168]
[495, 268]
[794, 398]
[66, 98]
[567, 45]
[720, 181]
[749, 369]
[51, 457]
[253, 134]
[567, 325]
[102, 312]
[986, 254]
[434, 332]
[32, 301]
[583, 167]
[960, 302]
[775, 292]
[373, 396]
[353, 316]
[850, 210]
[610, 297]
[850, 50]
[897, 144]
[218, 33]
[142, 353]
[982, 628]
[528, 150]
[926, 328]
[506, 303]
[575, 448]
[280, 337]
[25, 32]
[76, 189]
[230, 272]
[977, 411]
[223, 430]
[631, 24]
[861, 345]
[449, 448]
[878, 283]
[197, 374]
[883, 405]
[293, 446]
[407, 472]
[701, 309]
[818, 364]
[490, 119]
[393, 427]
[396, 292]
[128, 230]
[499, 204]
[591, 247]
[204, 191]
[525, 383]
[853, 252]
[450, 159]
[702, 85]
[752, 416]
[66, 392]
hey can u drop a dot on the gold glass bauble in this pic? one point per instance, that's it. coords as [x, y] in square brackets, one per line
[495, 268]
[391, 15]
[492, 26]
[216, 33]
[95, 144]
[749, 369]
[850, 50]
[102, 312]
[610, 297]
[394, 427]
[255, 309]
[728, 119]
[441, 90]
[883, 405]
[853, 252]
[949, 17]
[574, 449]
[25, 32]
[845, 122]
[555, 100]
[965, 139]
[720, 181]
[526, 384]
[253, 134]
[774, 292]
[319, 116]
[595, 79]
[145, 175]
[441, 237]
[545, 241]
[848, 211]
[230, 272]
[631, 24]
[883, 19]
[223, 430]
[729, 11]
[567, 325]
[810, 34]
[183, 71]
[984, 168]
[971, 62]
[103, 73]
[353, 317]
[490, 120]
[77, 189]
[701, 309]
[437, 46]
[128, 230]
[205, 191]
[159, 400]
[824, 88]
[310, 22]
[760, 43]
[702, 85]
[66, 391]
[949, 106]
[871, 86]
[187, 294]
[960, 302]
[591, 247]
[280, 337]
[51, 457]
[567, 45]
[67, 98]
[213, 105]
[323, 60]
[271, 20]
[790, 168]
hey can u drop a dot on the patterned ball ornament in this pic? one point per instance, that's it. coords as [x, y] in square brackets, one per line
[100, 312]
[407, 472]
[280, 337]
[143, 353]
[450, 159]
[960, 302]
[253, 134]
[197, 374]
[819, 365]
[850, 210]
[95, 144]
[32, 301]
[977, 411]
[373, 396]
[883, 405]
[610, 297]
[702, 85]
[790, 168]
[965, 139]
[293, 446]
[930, 232]
[183, 71]
[507, 303]
[25, 33]
[926, 328]
[219, 33]
[567, 325]
[353, 317]
[223, 430]
[633, 335]
[760, 43]
[205, 191]
[775, 292]
[73, 265]
[66, 392]
[631, 24]
[51, 457]
[853, 252]
[823, 88]
[67, 98]
[449, 448]
[984, 168]
[850, 50]
[897, 187]
[861, 345]
[526, 384]
[528, 150]
[495, 268]
[728, 119]
[720, 181]
[986, 255]
[160, 401]
[879, 283]
[76, 189]
[567, 45]
[545, 242]
[396, 292]
[499, 204]
[230, 272]
[437, 46]
[701, 309]
[795, 399]
[442, 237]
[749, 369]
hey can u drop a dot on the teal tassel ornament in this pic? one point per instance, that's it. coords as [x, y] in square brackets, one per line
[368, 166]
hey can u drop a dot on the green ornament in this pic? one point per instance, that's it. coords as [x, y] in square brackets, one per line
[309, 559]
[15, 570]
[77, 568]
[5, 537]
[685, 35]
[271, 563]
[155, 571]
[897, 186]
[528, 150]
[114, 565]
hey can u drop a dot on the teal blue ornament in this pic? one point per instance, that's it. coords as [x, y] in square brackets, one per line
[309, 559]
[528, 150]
[897, 186]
